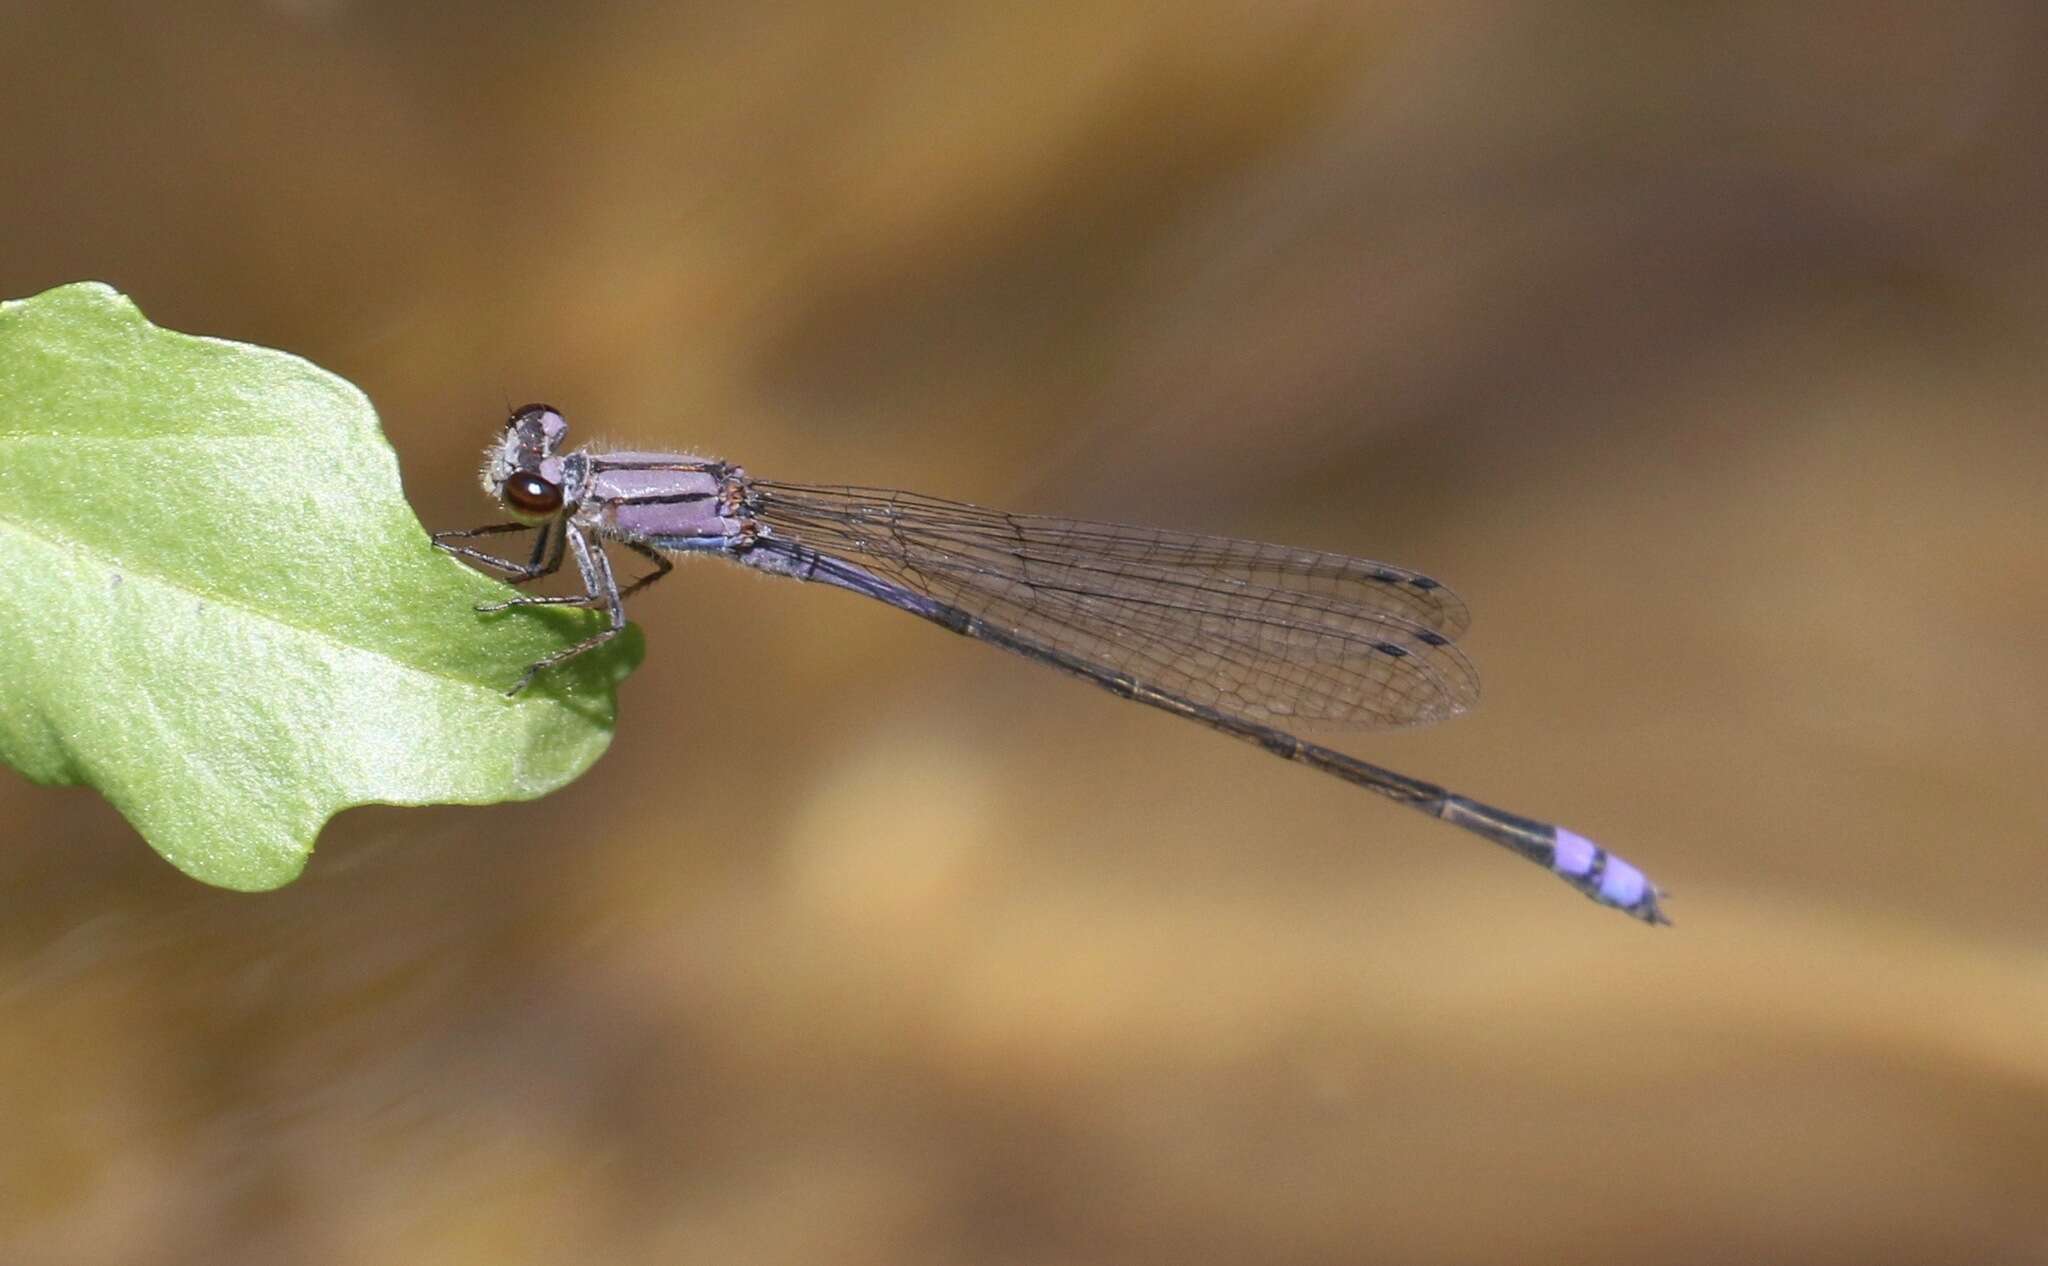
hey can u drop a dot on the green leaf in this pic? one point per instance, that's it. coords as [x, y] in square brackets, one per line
[217, 608]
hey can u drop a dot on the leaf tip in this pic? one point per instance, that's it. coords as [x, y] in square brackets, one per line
[83, 296]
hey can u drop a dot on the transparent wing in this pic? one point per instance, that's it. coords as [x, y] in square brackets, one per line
[1262, 630]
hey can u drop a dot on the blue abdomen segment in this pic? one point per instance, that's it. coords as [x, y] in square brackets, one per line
[1607, 879]
[1602, 876]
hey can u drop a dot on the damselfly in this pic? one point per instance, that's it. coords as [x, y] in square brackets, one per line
[1237, 635]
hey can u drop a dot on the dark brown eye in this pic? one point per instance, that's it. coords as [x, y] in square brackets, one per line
[528, 493]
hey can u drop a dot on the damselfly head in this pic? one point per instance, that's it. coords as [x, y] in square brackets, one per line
[523, 467]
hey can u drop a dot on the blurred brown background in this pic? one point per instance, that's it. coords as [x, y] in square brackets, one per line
[1701, 347]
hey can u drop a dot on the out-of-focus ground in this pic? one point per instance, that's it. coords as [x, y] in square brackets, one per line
[1703, 348]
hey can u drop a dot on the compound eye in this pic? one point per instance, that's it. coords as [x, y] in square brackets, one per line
[527, 493]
